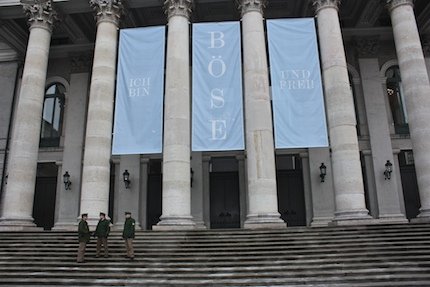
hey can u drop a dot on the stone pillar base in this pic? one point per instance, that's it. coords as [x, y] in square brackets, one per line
[423, 217]
[352, 215]
[321, 221]
[175, 223]
[200, 225]
[264, 221]
[18, 224]
[392, 219]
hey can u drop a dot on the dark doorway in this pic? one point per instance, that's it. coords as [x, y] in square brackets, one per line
[291, 201]
[409, 184]
[44, 196]
[224, 200]
[154, 196]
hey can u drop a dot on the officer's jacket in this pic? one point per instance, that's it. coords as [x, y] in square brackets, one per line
[129, 229]
[102, 229]
[83, 231]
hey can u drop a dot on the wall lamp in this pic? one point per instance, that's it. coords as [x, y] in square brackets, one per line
[323, 172]
[388, 170]
[66, 180]
[126, 179]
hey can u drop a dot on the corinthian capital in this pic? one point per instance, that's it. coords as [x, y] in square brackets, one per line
[251, 5]
[178, 8]
[320, 4]
[40, 13]
[108, 10]
[391, 4]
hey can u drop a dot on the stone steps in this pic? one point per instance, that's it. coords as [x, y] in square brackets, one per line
[382, 255]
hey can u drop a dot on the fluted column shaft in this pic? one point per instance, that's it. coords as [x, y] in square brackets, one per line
[416, 89]
[260, 152]
[19, 196]
[96, 169]
[176, 198]
[347, 175]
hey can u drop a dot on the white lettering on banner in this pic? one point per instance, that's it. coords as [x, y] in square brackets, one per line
[219, 129]
[217, 98]
[219, 65]
[139, 87]
[217, 36]
[296, 80]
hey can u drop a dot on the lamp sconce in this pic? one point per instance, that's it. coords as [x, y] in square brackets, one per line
[323, 172]
[66, 180]
[388, 170]
[126, 179]
[191, 176]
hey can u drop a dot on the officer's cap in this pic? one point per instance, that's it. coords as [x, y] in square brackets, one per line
[127, 212]
[84, 214]
[103, 214]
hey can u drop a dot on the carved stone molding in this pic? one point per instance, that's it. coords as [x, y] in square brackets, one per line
[81, 62]
[392, 4]
[40, 14]
[246, 6]
[108, 10]
[178, 8]
[367, 47]
[320, 4]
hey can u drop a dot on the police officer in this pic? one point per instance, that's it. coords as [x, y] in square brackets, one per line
[128, 234]
[84, 237]
[102, 233]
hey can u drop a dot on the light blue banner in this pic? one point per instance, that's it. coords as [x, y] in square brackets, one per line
[298, 103]
[217, 122]
[139, 92]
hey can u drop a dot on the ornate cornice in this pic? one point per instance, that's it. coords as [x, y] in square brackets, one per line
[392, 4]
[108, 10]
[246, 6]
[367, 46]
[178, 8]
[321, 4]
[40, 14]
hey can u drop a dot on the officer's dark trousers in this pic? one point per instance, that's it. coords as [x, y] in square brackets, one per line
[81, 251]
[102, 241]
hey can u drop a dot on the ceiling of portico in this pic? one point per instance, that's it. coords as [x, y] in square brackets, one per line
[77, 25]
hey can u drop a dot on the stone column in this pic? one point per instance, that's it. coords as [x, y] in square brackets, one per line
[380, 140]
[19, 196]
[96, 170]
[347, 175]
[260, 152]
[416, 85]
[176, 210]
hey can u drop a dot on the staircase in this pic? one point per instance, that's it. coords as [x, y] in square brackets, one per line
[387, 255]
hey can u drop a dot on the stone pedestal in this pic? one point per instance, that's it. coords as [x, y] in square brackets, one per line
[416, 88]
[98, 139]
[19, 195]
[176, 207]
[260, 152]
[347, 175]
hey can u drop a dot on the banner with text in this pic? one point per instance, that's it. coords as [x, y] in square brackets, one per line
[298, 103]
[217, 122]
[139, 92]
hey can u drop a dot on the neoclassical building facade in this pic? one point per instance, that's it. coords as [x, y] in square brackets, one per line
[58, 65]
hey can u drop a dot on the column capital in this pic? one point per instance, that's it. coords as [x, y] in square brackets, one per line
[40, 14]
[178, 8]
[108, 10]
[367, 47]
[392, 4]
[321, 4]
[246, 6]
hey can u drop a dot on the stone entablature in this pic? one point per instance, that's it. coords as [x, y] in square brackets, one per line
[367, 47]
[108, 10]
[392, 4]
[178, 8]
[40, 14]
[321, 4]
[246, 6]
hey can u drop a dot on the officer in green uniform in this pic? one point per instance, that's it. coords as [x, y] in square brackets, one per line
[84, 237]
[102, 233]
[128, 234]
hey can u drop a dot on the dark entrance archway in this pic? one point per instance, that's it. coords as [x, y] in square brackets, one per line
[154, 195]
[409, 184]
[291, 200]
[45, 194]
